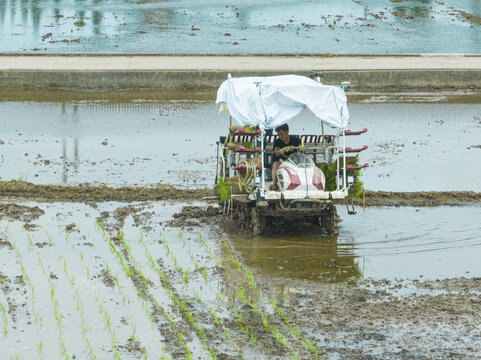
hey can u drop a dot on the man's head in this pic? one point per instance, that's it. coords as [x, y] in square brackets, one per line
[283, 132]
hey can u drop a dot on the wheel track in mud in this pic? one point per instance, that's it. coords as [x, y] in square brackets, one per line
[89, 193]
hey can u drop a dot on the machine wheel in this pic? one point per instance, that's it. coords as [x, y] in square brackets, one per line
[249, 219]
[256, 221]
[330, 220]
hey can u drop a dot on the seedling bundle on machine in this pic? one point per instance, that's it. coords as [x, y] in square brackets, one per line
[312, 180]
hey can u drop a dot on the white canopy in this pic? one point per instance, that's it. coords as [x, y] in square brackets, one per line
[281, 99]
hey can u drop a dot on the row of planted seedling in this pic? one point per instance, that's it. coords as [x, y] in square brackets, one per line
[184, 305]
[3, 310]
[105, 313]
[185, 280]
[37, 313]
[135, 270]
[54, 299]
[294, 329]
[240, 294]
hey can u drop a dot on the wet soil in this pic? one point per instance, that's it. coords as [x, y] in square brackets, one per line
[107, 278]
[191, 216]
[88, 193]
[15, 212]
[4, 243]
[420, 198]
[386, 325]
[133, 347]
[20, 212]
[158, 96]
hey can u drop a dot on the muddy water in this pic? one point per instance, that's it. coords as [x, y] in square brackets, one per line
[371, 26]
[379, 243]
[412, 146]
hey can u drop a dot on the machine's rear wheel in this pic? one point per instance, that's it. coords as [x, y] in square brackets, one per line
[330, 220]
[249, 219]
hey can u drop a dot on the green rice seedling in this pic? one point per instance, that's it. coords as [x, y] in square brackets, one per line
[216, 319]
[30, 242]
[40, 349]
[48, 237]
[36, 313]
[222, 297]
[128, 271]
[102, 310]
[294, 330]
[181, 238]
[181, 305]
[240, 294]
[5, 325]
[63, 350]
[185, 277]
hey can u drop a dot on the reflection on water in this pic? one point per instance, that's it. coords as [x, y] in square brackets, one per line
[135, 141]
[381, 243]
[115, 143]
[187, 26]
[69, 164]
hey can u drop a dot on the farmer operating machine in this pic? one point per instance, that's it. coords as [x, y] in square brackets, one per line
[312, 180]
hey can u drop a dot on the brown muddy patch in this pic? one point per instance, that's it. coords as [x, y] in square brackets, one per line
[89, 193]
[468, 17]
[107, 278]
[30, 227]
[71, 227]
[191, 216]
[387, 322]
[114, 221]
[133, 347]
[15, 212]
[42, 244]
[419, 198]
[4, 243]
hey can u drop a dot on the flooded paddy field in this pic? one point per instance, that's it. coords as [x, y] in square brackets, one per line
[246, 26]
[176, 280]
[161, 273]
[416, 143]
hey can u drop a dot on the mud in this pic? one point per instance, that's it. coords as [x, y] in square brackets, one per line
[133, 347]
[386, 325]
[420, 198]
[107, 278]
[468, 17]
[15, 212]
[4, 243]
[88, 194]
[157, 96]
[191, 216]
[114, 222]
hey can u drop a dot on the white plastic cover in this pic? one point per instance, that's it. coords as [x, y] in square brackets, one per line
[281, 99]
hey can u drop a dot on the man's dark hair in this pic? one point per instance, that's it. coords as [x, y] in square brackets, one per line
[283, 127]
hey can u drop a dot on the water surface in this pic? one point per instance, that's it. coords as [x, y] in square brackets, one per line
[412, 146]
[245, 26]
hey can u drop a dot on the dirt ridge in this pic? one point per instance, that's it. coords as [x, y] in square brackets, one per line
[25, 190]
